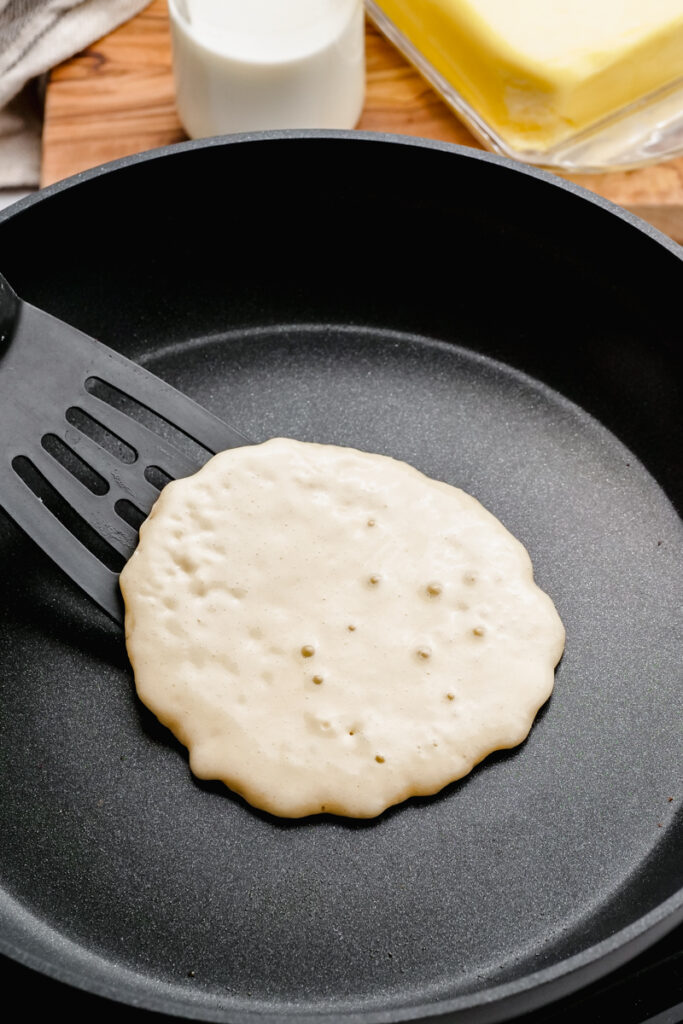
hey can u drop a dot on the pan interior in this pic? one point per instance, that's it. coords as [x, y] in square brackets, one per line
[110, 840]
[496, 331]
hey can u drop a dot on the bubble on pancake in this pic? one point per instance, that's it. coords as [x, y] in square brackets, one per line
[310, 662]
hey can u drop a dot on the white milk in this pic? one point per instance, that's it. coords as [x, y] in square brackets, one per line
[249, 65]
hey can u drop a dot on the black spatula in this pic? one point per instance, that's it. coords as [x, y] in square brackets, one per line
[89, 437]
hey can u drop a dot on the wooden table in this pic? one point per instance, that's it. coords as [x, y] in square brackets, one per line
[116, 98]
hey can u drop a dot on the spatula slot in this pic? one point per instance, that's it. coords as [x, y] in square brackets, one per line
[53, 502]
[116, 446]
[156, 477]
[130, 513]
[72, 462]
[152, 420]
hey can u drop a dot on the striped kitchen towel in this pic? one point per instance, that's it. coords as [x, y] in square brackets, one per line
[35, 35]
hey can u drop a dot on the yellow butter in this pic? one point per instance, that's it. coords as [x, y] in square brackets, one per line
[539, 71]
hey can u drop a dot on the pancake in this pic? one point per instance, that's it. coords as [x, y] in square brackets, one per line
[330, 631]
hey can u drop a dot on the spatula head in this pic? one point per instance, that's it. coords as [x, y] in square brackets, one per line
[90, 438]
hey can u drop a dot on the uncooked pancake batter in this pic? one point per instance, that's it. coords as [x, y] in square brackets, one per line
[328, 630]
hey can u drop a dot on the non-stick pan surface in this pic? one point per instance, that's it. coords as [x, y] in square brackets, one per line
[502, 332]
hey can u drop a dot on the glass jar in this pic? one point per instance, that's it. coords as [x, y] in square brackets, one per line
[252, 65]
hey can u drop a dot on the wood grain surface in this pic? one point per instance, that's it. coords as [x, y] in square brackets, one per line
[116, 98]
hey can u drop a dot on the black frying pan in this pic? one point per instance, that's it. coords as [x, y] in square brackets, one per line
[500, 330]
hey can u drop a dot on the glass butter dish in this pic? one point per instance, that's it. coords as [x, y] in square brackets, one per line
[587, 85]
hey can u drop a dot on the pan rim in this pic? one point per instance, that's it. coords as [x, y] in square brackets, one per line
[495, 1003]
[355, 136]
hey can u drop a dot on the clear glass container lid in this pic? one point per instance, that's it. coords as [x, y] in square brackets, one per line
[590, 85]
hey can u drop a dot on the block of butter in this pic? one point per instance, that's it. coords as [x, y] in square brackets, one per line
[540, 71]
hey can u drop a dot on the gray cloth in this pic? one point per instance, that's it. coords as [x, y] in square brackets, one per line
[35, 35]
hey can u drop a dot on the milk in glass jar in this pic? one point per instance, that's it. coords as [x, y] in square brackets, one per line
[265, 64]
